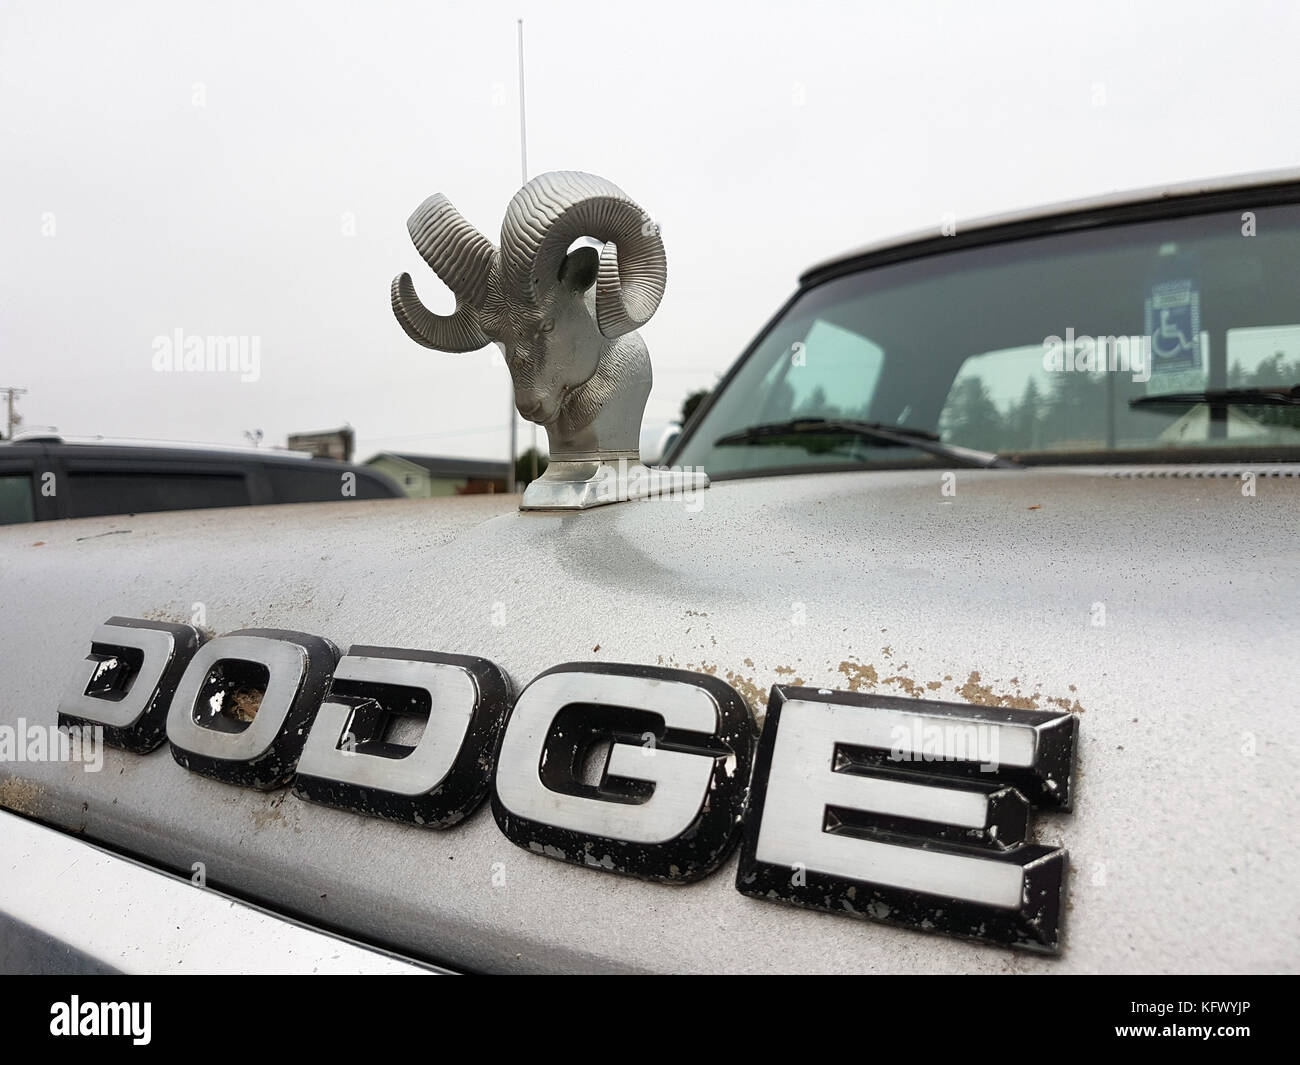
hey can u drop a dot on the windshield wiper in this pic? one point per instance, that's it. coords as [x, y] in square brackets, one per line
[876, 432]
[1278, 396]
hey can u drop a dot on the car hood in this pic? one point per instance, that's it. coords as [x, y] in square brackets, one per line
[1160, 610]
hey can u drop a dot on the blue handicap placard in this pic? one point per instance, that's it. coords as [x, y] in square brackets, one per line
[1173, 322]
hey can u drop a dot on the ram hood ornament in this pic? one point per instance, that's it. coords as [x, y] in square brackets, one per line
[565, 320]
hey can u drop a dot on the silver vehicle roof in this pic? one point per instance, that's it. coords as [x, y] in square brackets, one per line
[1080, 207]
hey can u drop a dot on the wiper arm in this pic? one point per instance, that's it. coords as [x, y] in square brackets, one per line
[892, 435]
[1279, 396]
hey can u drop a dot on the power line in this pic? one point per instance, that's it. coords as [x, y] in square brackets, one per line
[432, 436]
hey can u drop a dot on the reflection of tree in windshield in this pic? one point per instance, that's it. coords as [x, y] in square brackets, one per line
[1024, 421]
[1076, 411]
[816, 404]
[1073, 413]
[1270, 373]
[971, 418]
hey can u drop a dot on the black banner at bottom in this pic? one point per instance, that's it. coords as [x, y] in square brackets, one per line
[229, 1013]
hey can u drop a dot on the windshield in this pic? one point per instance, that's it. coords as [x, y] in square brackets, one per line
[1035, 349]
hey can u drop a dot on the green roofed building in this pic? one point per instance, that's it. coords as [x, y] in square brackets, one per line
[428, 476]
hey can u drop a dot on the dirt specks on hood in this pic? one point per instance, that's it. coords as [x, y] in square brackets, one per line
[273, 815]
[754, 693]
[863, 676]
[751, 692]
[859, 675]
[244, 703]
[19, 795]
[973, 691]
[907, 684]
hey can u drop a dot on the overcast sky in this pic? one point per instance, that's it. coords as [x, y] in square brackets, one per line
[247, 169]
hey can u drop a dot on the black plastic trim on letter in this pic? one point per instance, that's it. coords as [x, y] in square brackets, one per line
[149, 729]
[706, 843]
[275, 766]
[466, 784]
[1035, 925]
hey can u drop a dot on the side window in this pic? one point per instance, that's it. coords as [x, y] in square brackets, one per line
[1260, 357]
[94, 493]
[303, 483]
[306, 485]
[831, 373]
[16, 499]
[1008, 401]
[1264, 357]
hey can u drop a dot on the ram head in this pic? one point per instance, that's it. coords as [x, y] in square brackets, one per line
[564, 316]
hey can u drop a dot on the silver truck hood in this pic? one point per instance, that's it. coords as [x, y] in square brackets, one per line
[1182, 842]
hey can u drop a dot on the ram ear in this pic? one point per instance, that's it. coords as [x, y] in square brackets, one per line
[579, 268]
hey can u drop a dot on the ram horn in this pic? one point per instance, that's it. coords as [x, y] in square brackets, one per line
[552, 211]
[462, 258]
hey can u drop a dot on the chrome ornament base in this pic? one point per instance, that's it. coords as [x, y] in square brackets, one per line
[583, 484]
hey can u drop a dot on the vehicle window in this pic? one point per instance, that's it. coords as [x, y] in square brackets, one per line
[821, 369]
[828, 367]
[1054, 344]
[16, 499]
[307, 483]
[92, 493]
[1008, 401]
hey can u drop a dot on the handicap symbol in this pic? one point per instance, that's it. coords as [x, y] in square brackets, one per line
[1175, 340]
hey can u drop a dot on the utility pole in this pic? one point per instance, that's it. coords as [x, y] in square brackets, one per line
[13, 419]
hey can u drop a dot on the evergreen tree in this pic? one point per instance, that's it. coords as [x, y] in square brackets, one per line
[972, 419]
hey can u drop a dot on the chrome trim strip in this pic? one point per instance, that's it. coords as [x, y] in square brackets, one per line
[134, 919]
